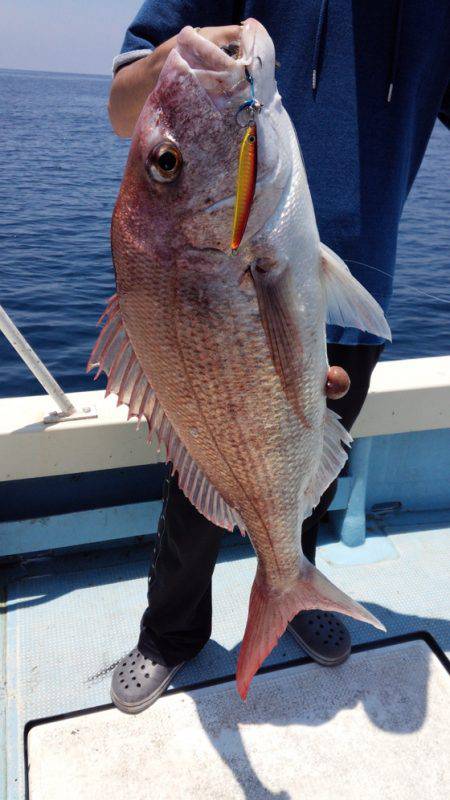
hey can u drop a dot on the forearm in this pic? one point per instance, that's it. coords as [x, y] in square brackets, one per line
[131, 87]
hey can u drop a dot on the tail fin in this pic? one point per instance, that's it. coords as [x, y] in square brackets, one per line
[269, 614]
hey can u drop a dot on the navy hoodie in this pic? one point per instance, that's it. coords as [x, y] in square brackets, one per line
[363, 82]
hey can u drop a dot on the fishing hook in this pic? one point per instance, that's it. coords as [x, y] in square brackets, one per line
[251, 106]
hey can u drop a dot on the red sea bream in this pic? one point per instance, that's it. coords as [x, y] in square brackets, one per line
[224, 353]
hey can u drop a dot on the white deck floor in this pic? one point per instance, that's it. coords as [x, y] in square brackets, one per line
[305, 732]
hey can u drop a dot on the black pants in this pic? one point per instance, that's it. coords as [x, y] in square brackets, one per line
[177, 622]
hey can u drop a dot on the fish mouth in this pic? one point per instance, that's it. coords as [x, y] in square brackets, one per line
[201, 53]
[220, 68]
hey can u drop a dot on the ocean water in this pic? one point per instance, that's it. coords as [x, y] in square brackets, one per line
[60, 170]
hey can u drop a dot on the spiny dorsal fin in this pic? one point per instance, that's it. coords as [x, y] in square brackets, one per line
[114, 355]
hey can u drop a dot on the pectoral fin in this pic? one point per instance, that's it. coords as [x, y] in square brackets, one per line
[276, 300]
[348, 303]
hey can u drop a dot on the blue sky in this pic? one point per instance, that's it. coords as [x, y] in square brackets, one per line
[63, 35]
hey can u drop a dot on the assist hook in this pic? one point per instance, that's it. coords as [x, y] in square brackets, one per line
[251, 106]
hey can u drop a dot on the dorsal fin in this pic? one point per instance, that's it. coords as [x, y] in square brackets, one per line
[114, 355]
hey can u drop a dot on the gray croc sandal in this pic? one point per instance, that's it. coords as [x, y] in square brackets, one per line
[324, 637]
[138, 681]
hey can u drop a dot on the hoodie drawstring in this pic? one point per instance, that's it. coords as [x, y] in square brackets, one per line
[396, 50]
[320, 39]
[318, 44]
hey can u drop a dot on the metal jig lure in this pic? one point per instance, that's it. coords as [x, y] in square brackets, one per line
[247, 170]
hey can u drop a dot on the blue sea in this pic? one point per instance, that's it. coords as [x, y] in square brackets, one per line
[60, 171]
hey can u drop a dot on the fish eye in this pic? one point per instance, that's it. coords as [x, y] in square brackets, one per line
[164, 162]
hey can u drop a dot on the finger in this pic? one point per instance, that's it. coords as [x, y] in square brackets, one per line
[338, 383]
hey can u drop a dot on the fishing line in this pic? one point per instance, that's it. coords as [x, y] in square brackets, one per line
[414, 288]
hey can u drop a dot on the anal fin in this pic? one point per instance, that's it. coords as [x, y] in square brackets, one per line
[331, 462]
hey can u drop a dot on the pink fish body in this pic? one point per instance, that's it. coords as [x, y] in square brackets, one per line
[225, 355]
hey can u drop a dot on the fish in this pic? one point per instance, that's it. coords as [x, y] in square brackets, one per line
[222, 349]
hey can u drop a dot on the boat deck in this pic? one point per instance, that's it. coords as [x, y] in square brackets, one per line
[68, 619]
[303, 733]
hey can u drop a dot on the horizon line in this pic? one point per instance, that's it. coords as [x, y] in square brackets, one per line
[58, 72]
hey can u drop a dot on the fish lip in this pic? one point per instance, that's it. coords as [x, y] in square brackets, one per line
[230, 199]
[209, 249]
[225, 202]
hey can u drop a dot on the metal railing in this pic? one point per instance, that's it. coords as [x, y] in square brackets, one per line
[66, 409]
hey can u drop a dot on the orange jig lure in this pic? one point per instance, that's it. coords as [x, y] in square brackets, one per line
[246, 183]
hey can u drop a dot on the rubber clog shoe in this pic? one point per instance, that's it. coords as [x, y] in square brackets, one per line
[322, 635]
[137, 682]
